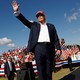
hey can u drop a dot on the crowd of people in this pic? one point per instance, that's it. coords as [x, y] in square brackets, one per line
[72, 50]
[18, 55]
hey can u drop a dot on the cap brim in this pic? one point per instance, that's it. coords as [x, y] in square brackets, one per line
[37, 15]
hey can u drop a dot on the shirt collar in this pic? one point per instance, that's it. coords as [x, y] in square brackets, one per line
[43, 24]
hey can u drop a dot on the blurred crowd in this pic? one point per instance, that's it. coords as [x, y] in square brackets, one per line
[72, 50]
[18, 55]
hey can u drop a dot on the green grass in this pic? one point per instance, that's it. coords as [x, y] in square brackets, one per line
[1, 78]
[56, 76]
[61, 73]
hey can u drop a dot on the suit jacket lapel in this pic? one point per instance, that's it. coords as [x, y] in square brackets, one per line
[38, 28]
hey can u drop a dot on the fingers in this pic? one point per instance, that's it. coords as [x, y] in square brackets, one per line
[15, 6]
[14, 3]
[15, 74]
[5, 75]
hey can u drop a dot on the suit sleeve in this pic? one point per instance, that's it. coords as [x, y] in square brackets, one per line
[57, 43]
[5, 68]
[14, 67]
[24, 20]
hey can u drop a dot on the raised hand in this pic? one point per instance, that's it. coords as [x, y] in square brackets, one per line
[15, 6]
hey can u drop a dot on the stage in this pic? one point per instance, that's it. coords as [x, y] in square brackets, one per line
[75, 75]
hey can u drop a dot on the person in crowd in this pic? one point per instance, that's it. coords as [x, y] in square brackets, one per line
[64, 50]
[9, 69]
[70, 62]
[62, 43]
[29, 57]
[42, 42]
[3, 62]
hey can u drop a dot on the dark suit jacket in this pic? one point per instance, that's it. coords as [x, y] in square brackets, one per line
[7, 69]
[69, 60]
[34, 34]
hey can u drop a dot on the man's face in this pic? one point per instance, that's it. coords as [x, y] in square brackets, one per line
[9, 59]
[41, 18]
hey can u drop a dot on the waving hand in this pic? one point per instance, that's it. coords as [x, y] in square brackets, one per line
[15, 6]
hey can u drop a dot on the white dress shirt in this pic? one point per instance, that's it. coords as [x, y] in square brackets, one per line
[10, 66]
[44, 33]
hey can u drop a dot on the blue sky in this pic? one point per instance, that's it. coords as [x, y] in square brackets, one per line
[64, 14]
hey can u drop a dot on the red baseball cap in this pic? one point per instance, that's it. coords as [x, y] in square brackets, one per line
[40, 13]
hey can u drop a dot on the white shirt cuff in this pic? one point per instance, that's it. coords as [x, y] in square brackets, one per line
[16, 13]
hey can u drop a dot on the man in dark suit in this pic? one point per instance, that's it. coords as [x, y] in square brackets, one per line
[9, 69]
[42, 41]
[70, 63]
